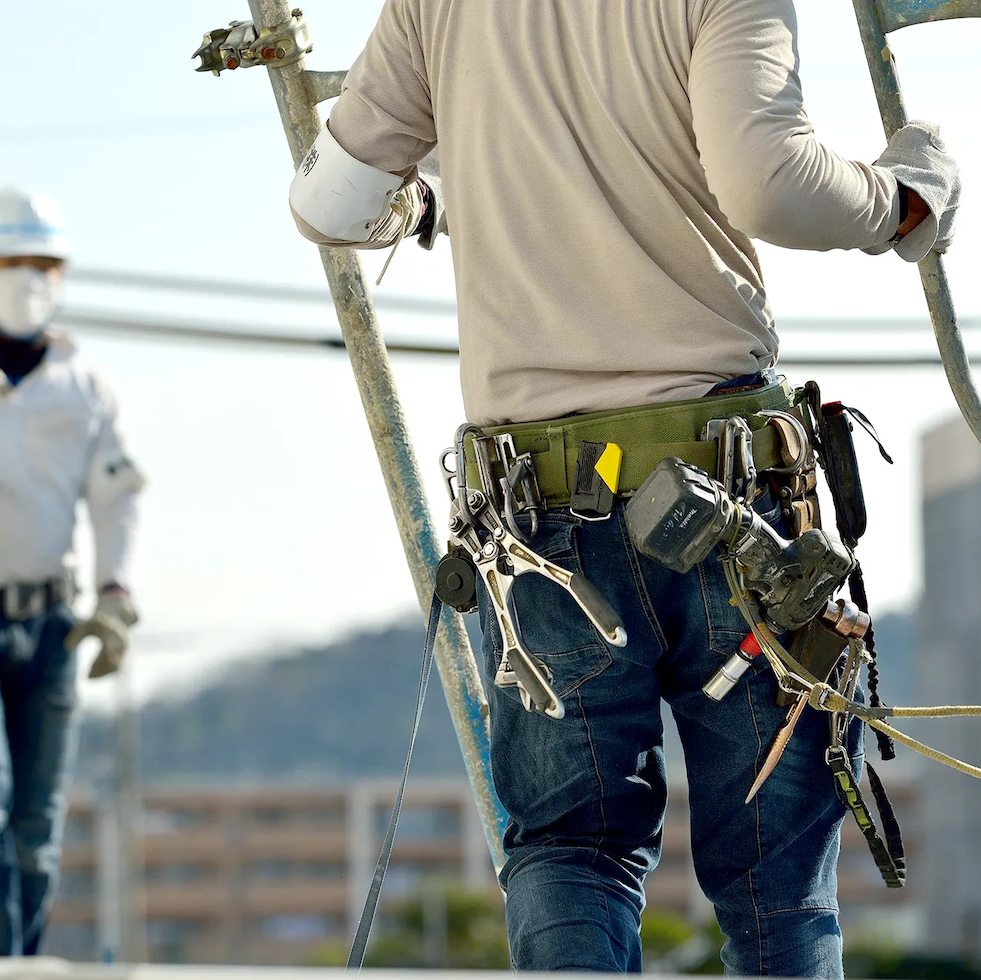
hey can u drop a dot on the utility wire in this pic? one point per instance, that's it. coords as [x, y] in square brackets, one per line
[443, 307]
[253, 290]
[190, 331]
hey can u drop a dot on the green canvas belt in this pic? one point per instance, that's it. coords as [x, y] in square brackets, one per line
[646, 434]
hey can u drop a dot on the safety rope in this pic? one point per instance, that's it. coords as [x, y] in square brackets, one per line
[794, 677]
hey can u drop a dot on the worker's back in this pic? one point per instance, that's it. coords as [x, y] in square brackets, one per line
[595, 266]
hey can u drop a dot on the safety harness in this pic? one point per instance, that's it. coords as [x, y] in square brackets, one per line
[770, 430]
[585, 462]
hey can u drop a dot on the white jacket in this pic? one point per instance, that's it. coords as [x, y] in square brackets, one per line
[60, 442]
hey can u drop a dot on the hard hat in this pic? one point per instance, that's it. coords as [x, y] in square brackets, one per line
[30, 224]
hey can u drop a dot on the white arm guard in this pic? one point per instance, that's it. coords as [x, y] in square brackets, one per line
[336, 198]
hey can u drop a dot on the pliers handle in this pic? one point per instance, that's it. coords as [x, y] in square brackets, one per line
[499, 560]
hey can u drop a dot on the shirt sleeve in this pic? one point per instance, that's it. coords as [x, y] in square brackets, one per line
[772, 178]
[111, 490]
[384, 116]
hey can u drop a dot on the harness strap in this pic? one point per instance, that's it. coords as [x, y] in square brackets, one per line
[355, 958]
[889, 854]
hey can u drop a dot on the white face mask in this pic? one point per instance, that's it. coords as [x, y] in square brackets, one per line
[28, 300]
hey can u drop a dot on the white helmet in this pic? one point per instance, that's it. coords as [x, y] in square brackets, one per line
[30, 224]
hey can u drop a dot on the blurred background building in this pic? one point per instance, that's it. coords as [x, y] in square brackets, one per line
[948, 671]
[266, 876]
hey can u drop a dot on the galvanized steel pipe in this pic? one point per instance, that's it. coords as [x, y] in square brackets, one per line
[297, 92]
[875, 18]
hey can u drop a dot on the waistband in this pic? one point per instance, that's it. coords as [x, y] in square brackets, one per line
[25, 600]
[646, 434]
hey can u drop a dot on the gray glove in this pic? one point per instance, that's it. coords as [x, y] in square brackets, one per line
[114, 614]
[916, 156]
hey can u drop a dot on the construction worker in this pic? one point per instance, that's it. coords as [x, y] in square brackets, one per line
[604, 168]
[60, 441]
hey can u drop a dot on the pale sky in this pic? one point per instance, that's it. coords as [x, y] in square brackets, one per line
[266, 522]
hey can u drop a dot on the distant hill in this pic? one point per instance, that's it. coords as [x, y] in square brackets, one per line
[313, 713]
[341, 711]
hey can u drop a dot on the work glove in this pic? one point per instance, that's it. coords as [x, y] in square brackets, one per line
[110, 623]
[916, 157]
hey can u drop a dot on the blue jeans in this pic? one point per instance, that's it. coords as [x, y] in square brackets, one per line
[37, 683]
[586, 795]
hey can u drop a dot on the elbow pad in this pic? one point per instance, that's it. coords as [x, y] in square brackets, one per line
[111, 476]
[336, 197]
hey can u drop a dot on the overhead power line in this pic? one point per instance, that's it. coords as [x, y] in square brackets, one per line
[444, 307]
[252, 290]
[192, 331]
[189, 330]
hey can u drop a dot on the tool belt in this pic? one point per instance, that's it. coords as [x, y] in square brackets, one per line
[25, 600]
[646, 434]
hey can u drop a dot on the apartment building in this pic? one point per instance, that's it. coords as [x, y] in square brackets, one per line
[947, 673]
[265, 875]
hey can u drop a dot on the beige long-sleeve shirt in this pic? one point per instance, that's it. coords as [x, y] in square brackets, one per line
[605, 164]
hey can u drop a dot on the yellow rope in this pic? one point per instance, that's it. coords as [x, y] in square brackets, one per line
[941, 711]
[824, 697]
[912, 743]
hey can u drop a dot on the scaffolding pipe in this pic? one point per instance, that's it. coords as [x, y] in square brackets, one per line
[876, 18]
[297, 93]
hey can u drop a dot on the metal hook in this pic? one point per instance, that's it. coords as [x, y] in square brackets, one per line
[799, 431]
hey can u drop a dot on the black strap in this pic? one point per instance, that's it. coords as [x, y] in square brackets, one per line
[856, 586]
[889, 855]
[890, 825]
[355, 958]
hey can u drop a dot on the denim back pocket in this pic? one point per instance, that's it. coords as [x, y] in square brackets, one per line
[553, 626]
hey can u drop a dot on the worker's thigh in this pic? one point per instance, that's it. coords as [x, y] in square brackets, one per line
[769, 866]
[39, 696]
[594, 778]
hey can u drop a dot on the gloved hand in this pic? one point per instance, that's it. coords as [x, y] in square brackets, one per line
[916, 156]
[114, 614]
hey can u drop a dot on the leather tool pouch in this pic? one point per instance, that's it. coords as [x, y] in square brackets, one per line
[817, 648]
[831, 429]
[841, 469]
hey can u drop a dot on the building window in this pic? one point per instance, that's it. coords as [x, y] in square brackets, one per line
[405, 877]
[166, 820]
[178, 872]
[76, 883]
[70, 940]
[272, 816]
[298, 927]
[271, 869]
[166, 932]
[322, 869]
[78, 829]
[322, 816]
[421, 823]
[279, 869]
[168, 938]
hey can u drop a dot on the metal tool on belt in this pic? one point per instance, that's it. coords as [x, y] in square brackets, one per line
[485, 539]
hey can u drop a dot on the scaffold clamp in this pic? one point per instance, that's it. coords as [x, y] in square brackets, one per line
[241, 45]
